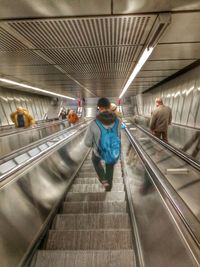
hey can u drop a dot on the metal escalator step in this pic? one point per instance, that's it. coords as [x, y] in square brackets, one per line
[91, 221]
[90, 239]
[88, 167]
[84, 258]
[82, 188]
[102, 196]
[94, 207]
[95, 176]
[88, 164]
[94, 180]
[93, 173]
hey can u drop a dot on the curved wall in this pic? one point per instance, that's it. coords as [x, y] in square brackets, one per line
[37, 105]
[182, 94]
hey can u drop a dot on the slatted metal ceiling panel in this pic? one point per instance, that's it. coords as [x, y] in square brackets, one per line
[25, 57]
[97, 52]
[8, 42]
[85, 32]
[30, 70]
[92, 55]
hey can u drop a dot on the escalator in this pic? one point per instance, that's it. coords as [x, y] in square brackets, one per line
[92, 227]
[18, 138]
[54, 212]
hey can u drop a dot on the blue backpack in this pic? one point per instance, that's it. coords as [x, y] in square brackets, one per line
[110, 143]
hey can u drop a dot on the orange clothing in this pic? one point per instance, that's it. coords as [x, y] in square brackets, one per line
[28, 119]
[73, 118]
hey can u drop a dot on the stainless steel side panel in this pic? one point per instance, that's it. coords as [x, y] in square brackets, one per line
[27, 199]
[161, 241]
[21, 138]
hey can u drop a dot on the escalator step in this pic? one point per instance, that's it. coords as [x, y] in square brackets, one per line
[90, 167]
[94, 180]
[102, 196]
[94, 207]
[82, 258]
[88, 239]
[83, 188]
[91, 221]
[92, 173]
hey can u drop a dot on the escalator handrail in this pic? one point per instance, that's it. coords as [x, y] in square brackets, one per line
[21, 150]
[191, 161]
[41, 154]
[164, 187]
[39, 127]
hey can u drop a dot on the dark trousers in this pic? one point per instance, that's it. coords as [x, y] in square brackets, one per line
[162, 135]
[104, 175]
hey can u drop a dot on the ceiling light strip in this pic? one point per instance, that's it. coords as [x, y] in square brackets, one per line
[162, 22]
[35, 88]
[145, 55]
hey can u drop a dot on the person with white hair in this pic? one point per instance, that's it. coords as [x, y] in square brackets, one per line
[113, 108]
[160, 120]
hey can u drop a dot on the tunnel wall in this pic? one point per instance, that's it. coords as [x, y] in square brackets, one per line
[37, 105]
[182, 94]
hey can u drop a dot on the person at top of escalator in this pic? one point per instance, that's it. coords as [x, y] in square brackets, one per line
[72, 117]
[103, 135]
[22, 118]
[113, 108]
[160, 120]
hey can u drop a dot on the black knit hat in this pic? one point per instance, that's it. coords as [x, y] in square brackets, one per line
[103, 102]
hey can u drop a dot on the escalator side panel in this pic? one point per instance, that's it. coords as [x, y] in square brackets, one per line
[27, 200]
[160, 239]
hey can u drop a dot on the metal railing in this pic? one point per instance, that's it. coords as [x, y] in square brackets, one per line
[187, 218]
[171, 148]
[38, 150]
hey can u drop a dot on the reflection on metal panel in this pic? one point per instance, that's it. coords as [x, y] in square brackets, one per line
[160, 239]
[26, 202]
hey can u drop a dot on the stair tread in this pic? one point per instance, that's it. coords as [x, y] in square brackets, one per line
[85, 258]
[91, 221]
[94, 207]
[95, 187]
[94, 180]
[93, 196]
[90, 239]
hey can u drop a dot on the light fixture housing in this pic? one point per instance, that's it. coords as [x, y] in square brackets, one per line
[35, 88]
[161, 23]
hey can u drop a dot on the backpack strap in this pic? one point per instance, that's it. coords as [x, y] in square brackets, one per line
[115, 127]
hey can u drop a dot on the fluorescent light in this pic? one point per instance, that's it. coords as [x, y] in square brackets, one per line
[147, 52]
[35, 88]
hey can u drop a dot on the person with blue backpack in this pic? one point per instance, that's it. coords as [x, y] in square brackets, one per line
[103, 135]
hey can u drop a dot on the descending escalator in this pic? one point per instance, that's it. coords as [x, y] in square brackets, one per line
[92, 227]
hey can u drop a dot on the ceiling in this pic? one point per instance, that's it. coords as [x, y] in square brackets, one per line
[89, 47]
